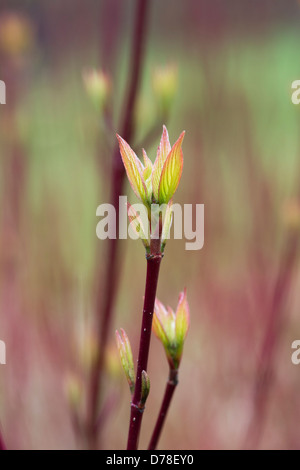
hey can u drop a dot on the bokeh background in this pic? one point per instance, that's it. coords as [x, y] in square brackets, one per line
[236, 61]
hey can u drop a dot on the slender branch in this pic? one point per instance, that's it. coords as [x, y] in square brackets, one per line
[170, 389]
[153, 265]
[106, 292]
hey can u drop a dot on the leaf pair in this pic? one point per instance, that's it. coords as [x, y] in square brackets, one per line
[171, 328]
[154, 182]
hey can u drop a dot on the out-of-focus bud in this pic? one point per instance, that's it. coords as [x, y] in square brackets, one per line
[145, 112]
[73, 389]
[165, 84]
[171, 328]
[145, 388]
[98, 87]
[291, 214]
[126, 358]
[16, 34]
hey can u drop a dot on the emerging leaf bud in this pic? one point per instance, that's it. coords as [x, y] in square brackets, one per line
[155, 182]
[126, 358]
[171, 328]
[145, 388]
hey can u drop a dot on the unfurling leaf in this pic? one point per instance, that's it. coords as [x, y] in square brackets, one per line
[162, 154]
[134, 170]
[171, 172]
[182, 321]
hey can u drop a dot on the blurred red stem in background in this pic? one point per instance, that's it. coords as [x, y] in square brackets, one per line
[107, 288]
[264, 374]
[170, 389]
[153, 265]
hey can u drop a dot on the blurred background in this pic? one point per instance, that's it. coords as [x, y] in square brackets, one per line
[223, 72]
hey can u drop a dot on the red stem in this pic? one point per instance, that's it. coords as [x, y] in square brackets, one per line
[153, 265]
[170, 389]
[106, 292]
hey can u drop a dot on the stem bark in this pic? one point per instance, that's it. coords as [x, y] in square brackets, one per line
[153, 265]
[170, 389]
[107, 290]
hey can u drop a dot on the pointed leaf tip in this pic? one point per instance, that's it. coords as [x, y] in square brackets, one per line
[163, 151]
[182, 317]
[171, 172]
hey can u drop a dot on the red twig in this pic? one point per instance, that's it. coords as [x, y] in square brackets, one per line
[170, 389]
[107, 289]
[153, 265]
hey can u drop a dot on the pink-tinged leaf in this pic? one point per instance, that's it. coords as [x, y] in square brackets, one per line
[147, 173]
[162, 154]
[159, 317]
[159, 331]
[134, 169]
[171, 172]
[147, 163]
[160, 310]
[182, 318]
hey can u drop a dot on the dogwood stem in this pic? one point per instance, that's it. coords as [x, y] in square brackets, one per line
[170, 389]
[107, 291]
[153, 265]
